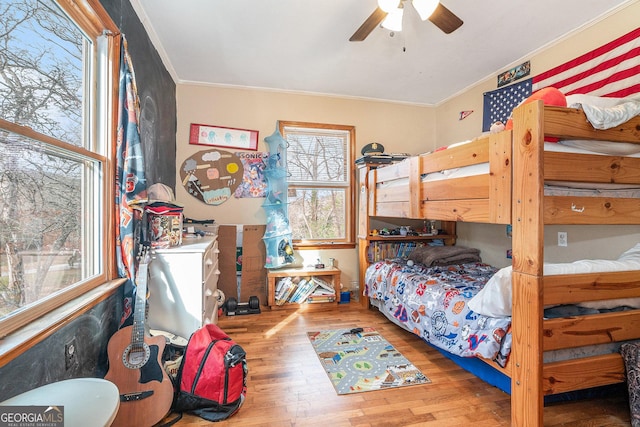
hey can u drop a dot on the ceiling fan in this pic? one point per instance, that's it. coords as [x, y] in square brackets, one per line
[389, 15]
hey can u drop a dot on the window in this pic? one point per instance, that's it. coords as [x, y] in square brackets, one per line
[319, 166]
[55, 112]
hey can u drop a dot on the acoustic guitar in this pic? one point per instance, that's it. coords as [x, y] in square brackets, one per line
[135, 364]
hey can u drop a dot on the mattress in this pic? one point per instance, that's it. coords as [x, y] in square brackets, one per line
[432, 301]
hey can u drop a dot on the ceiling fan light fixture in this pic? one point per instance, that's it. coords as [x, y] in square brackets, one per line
[393, 21]
[388, 5]
[425, 8]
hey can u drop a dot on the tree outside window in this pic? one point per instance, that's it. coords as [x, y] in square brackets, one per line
[52, 159]
[320, 171]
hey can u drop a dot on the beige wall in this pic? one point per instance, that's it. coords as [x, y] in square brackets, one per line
[450, 129]
[400, 128]
[584, 242]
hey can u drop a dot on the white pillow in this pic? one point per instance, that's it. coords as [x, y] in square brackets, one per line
[494, 300]
[598, 101]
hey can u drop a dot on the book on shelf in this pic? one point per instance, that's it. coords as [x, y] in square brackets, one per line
[287, 287]
[323, 284]
[319, 291]
[315, 299]
[324, 292]
[282, 283]
[296, 292]
[379, 251]
[305, 287]
[310, 289]
[290, 290]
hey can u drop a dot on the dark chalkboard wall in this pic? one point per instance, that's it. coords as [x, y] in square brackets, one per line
[45, 362]
[157, 92]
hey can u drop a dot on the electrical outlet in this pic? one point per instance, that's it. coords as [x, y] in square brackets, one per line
[70, 354]
[562, 238]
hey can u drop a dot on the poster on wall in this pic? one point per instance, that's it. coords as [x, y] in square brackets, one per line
[222, 136]
[211, 176]
[254, 184]
[516, 73]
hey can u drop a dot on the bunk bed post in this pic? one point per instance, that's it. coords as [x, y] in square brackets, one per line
[366, 208]
[527, 400]
[363, 228]
[500, 177]
[363, 204]
[371, 189]
[415, 188]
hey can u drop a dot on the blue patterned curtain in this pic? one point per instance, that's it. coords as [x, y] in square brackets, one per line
[131, 184]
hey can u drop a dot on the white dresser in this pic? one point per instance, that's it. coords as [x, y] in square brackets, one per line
[182, 286]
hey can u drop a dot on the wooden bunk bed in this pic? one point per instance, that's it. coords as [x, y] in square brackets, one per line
[398, 191]
[512, 192]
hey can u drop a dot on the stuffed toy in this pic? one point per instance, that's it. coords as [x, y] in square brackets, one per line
[497, 127]
[549, 95]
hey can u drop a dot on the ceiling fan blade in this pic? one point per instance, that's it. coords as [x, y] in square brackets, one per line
[444, 19]
[368, 25]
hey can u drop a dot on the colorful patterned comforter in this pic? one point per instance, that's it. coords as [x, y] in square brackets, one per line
[431, 302]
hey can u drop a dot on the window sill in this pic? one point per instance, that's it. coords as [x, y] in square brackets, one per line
[320, 246]
[16, 343]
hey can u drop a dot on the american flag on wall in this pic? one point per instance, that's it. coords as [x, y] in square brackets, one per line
[498, 104]
[611, 70]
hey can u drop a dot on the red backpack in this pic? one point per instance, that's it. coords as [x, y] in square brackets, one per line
[212, 379]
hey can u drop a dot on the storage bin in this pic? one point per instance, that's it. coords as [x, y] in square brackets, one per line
[165, 230]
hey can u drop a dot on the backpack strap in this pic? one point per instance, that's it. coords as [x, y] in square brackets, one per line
[173, 421]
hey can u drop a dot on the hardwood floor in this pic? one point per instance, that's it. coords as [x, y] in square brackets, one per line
[288, 387]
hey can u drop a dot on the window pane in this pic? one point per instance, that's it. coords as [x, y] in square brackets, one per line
[45, 193]
[50, 195]
[317, 156]
[41, 81]
[319, 168]
[317, 213]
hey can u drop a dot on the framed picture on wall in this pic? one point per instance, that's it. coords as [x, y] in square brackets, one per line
[220, 136]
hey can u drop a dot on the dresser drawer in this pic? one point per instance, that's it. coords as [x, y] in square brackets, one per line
[210, 298]
[210, 286]
[210, 260]
[210, 313]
